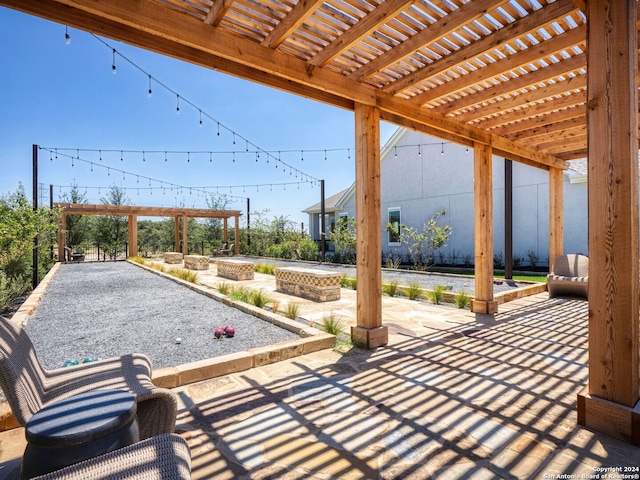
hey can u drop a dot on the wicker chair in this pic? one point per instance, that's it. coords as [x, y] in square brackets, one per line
[165, 457]
[29, 387]
[569, 276]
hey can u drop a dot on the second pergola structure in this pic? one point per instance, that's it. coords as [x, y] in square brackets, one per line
[133, 212]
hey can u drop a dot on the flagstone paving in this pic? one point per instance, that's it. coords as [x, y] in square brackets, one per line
[452, 396]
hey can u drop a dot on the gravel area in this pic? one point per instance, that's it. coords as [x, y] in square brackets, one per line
[110, 309]
[427, 280]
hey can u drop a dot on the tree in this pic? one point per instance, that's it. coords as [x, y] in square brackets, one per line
[77, 225]
[421, 245]
[19, 225]
[112, 230]
[213, 226]
[343, 238]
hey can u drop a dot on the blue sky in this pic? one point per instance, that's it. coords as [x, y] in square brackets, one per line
[61, 95]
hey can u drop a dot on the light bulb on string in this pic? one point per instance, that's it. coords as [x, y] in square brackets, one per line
[218, 129]
[210, 159]
[348, 154]
[200, 117]
[149, 92]
[395, 152]
[188, 157]
[113, 62]
[419, 151]
[301, 155]
[177, 104]
[121, 156]
[165, 156]
[234, 138]
[67, 38]
[442, 151]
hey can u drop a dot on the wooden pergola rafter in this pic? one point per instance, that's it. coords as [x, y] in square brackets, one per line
[135, 211]
[504, 77]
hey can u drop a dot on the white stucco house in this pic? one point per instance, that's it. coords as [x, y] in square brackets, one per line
[421, 175]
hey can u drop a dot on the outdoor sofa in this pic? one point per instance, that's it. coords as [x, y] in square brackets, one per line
[569, 276]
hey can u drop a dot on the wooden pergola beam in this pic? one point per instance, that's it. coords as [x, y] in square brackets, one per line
[125, 210]
[296, 17]
[549, 129]
[217, 12]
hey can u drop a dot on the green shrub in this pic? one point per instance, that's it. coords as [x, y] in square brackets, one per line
[414, 292]
[259, 299]
[266, 268]
[331, 324]
[346, 282]
[12, 288]
[292, 310]
[307, 249]
[241, 294]
[223, 288]
[390, 289]
[139, 260]
[462, 299]
[186, 275]
[437, 294]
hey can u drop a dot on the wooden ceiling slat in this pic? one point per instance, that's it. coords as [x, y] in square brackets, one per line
[445, 25]
[557, 44]
[526, 99]
[541, 120]
[532, 111]
[364, 27]
[547, 129]
[536, 20]
[558, 135]
[543, 74]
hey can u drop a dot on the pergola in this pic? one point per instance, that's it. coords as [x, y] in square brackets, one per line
[504, 77]
[133, 212]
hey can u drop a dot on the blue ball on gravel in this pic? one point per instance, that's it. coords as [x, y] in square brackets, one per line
[90, 359]
[70, 362]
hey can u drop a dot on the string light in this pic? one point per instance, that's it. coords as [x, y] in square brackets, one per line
[113, 62]
[442, 151]
[178, 104]
[67, 38]
[150, 92]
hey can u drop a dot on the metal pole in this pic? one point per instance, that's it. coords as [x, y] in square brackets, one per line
[508, 219]
[34, 267]
[323, 248]
[51, 208]
[248, 223]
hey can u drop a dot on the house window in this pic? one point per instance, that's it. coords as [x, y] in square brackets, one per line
[394, 229]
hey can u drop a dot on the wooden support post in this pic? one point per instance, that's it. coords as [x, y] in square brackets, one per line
[237, 234]
[133, 236]
[611, 401]
[483, 229]
[369, 331]
[176, 240]
[185, 233]
[556, 214]
[62, 235]
[225, 233]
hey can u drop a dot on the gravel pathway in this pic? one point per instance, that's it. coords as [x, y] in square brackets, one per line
[114, 308]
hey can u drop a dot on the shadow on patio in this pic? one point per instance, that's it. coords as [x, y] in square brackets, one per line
[495, 399]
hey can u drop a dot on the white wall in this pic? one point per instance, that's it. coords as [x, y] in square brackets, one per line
[423, 185]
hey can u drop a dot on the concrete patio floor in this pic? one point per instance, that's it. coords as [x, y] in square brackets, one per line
[452, 396]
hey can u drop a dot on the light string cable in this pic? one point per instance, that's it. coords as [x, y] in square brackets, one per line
[162, 184]
[182, 100]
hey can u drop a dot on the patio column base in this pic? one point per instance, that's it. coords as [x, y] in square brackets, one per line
[608, 417]
[484, 306]
[370, 337]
